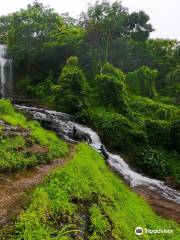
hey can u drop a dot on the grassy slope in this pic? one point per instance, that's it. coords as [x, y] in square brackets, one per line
[14, 154]
[86, 190]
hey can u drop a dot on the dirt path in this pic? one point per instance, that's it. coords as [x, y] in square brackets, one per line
[161, 206]
[14, 186]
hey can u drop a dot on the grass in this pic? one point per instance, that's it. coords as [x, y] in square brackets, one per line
[88, 195]
[14, 153]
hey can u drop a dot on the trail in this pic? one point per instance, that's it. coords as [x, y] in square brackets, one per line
[14, 186]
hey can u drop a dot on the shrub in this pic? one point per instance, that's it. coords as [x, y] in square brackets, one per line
[155, 162]
[111, 88]
[175, 135]
[116, 130]
[153, 109]
[72, 96]
[158, 132]
[142, 81]
[72, 61]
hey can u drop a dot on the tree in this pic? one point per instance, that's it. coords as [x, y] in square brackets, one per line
[72, 91]
[105, 22]
[112, 89]
[28, 31]
[142, 82]
[172, 88]
[138, 26]
[162, 57]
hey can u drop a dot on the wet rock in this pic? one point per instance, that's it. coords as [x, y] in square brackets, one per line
[12, 131]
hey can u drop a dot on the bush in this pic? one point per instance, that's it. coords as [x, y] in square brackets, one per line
[72, 96]
[158, 132]
[116, 130]
[142, 82]
[111, 88]
[155, 162]
[175, 135]
[153, 109]
[72, 61]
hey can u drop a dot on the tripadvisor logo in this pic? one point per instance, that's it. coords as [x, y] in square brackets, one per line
[139, 231]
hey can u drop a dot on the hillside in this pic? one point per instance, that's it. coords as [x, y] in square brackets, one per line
[89, 125]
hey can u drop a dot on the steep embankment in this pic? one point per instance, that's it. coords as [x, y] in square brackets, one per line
[89, 196]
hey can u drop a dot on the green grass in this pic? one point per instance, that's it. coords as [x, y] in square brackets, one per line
[86, 187]
[14, 154]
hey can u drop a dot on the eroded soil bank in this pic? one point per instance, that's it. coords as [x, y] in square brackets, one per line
[161, 206]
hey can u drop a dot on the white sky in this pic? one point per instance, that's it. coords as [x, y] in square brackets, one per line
[164, 14]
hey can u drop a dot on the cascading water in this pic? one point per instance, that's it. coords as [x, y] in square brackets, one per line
[5, 73]
[63, 125]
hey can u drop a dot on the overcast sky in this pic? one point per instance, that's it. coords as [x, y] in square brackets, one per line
[164, 14]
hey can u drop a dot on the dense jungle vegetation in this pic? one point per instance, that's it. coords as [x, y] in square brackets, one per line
[104, 69]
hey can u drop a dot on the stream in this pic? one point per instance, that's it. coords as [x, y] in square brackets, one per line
[64, 126]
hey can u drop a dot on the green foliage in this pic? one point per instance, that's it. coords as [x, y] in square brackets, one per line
[106, 22]
[66, 36]
[158, 132]
[72, 61]
[116, 130]
[99, 222]
[153, 109]
[142, 82]
[109, 69]
[73, 88]
[173, 77]
[29, 29]
[175, 135]
[161, 163]
[113, 209]
[172, 88]
[112, 81]
[8, 114]
[155, 162]
[14, 150]
[6, 107]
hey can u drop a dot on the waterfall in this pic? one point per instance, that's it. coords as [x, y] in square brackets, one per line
[63, 125]
[5, 73]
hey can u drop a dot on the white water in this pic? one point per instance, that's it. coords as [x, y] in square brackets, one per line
[63, 125]
[5, 73]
